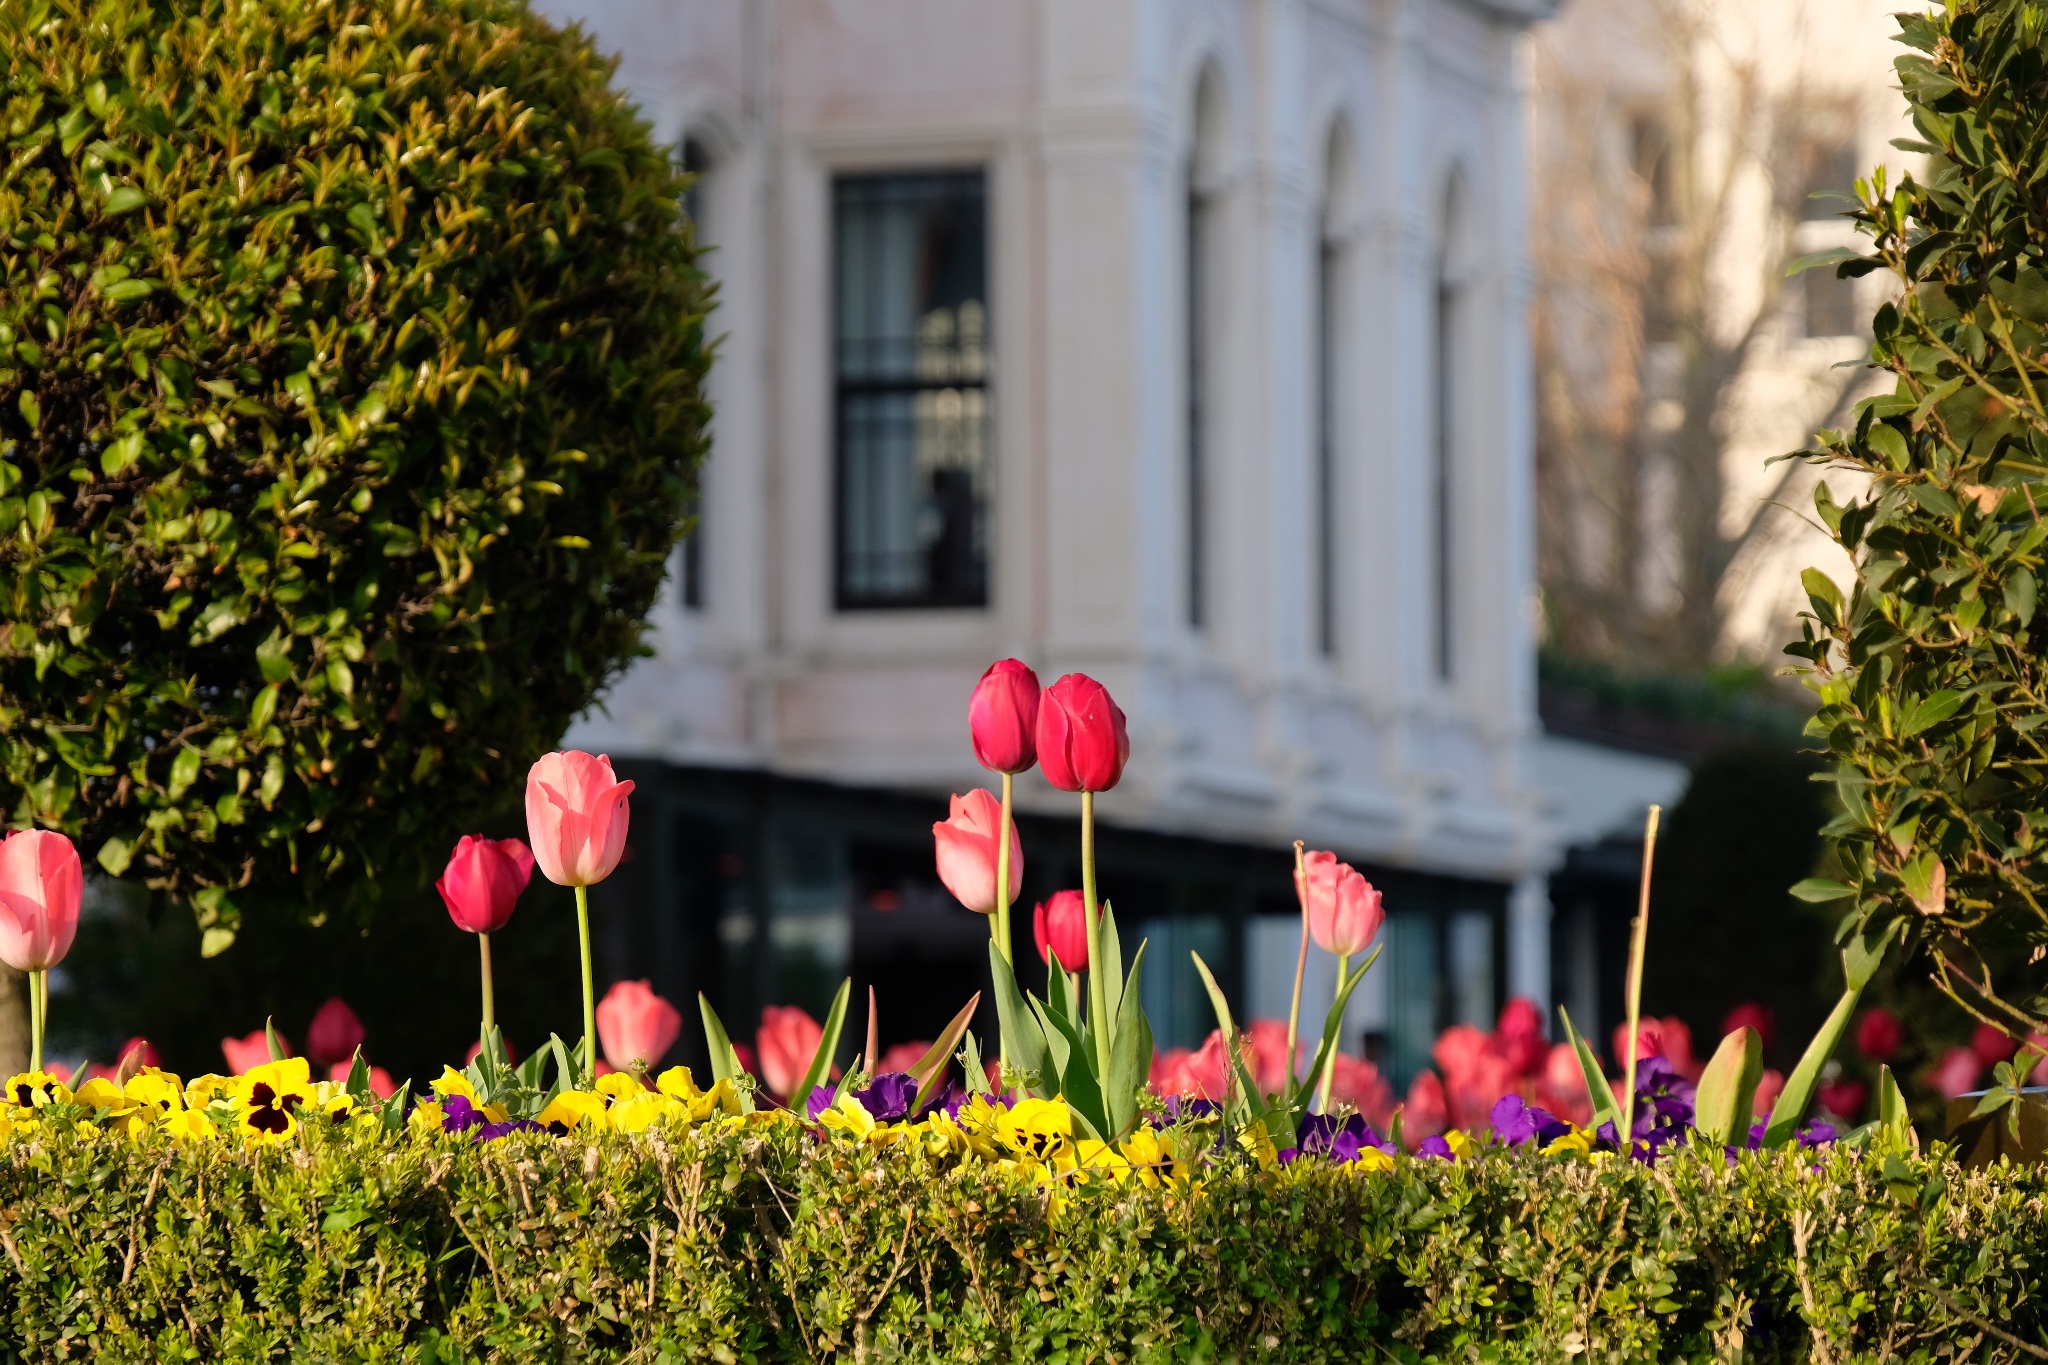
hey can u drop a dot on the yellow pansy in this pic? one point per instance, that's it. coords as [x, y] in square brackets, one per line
[619, 1085]
[201, 1091]
[453, 1082]
[336, 1108]
[1150, 1155]
[571, 1109]
[637, 1113]
[848, 1116]
[1372, 1159]
[159, 1092]
[86, 1130]
[425, 1117]
[1460, 1145]
[1578, 1142]
[268, 1097]
[188, 1125]
[1098, 1160]
[678, 1084]
[1037, 1129]
[1259, 1143]
[980, 1121]
[37, 1090]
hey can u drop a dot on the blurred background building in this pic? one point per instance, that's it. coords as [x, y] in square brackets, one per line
[1183, 344]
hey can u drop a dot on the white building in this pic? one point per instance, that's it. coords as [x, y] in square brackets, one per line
[1180, 343]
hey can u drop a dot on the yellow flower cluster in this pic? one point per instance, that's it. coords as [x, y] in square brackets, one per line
[619, 1103]
[267, 1104]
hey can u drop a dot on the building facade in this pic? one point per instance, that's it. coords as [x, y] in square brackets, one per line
[1177, 342]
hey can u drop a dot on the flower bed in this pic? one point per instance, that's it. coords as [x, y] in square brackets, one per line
[756, 1237]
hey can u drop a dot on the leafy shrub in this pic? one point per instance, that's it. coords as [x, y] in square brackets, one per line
[1929, 670]
[349, 400]
[759, 1244]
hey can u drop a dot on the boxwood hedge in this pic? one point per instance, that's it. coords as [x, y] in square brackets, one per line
[745, 1244]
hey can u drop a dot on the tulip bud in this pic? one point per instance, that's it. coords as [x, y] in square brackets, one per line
[482, 881]
[1750, 1014]
[1002, 717]
[1060, 925]
[966, 843]
[41, 884]
[334, 1035]
[244, 1055]
[636, 1025]
[787, 1040]
[1082, 745]
[1344, 910]
[576, 817]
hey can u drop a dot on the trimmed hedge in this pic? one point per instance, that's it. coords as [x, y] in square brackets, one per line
[757, 1244]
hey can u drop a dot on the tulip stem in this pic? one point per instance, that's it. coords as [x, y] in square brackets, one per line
[1300, 967]
[1000, 924]
[483, 945]
[36, 1009]
[1098, 995]
[589, 1000]
[1638, 944]
[1330, 1062]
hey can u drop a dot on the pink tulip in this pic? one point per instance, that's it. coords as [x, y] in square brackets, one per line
[1002, 717]
[476, 1050]
[636, 1025]
[1358, 1083]
[966, 842]
[1878, 1035]
[1205, 1073]
[1169, 1071]
[1082, 745]
[334, 1035]
[1957, 1073]
[1844, 1099]
[576, 817]
[1344, 911]
[381, 1084]
[1768, 1087]
[1060, 925]
[1268, 1040]
[1427, 1111]
[1562, 1087]
[1992, 1044]
[41, 884]
[246, 1054]
[787, 1040]
[902, 1056]
[483, 880]
[1518, 1037]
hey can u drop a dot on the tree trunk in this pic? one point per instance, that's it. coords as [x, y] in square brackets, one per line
[13, 1021]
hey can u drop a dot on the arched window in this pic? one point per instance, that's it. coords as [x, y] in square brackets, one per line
[1446, 354]
[696, 163]
[1201, 302]
[1333, 342]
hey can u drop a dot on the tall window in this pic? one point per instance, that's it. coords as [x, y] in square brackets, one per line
[1201, 212]
[1826, 305]
[912, 367]
[696, 163]
[1328, 274]
[1443, 461]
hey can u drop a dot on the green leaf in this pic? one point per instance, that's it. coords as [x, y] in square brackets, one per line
[1727, 1088]
[1598, 1092]
[1820, 890]
[930, 1068]
[31, 410]
[1130, 1053]
[184, 772]
[1928, 712]
[828, 1046]
[1023, 1041]
[1825, 596]
[1859, 963]
[1112, 967]
[1247, 1088]
[725, 1060]
[273, 1042]
[1890, 443]
[1333, 1024]
[2020, 590]
[1813, 260]
[127, 291]
[115, 855]
[340, 1220]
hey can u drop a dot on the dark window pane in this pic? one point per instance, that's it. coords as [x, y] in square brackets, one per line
[1830, 175]
[697, 163]
[1829, 304]
[912, 361]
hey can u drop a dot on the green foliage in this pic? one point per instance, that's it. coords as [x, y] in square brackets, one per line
[349, 401]
[1929, 670]
[759, 1244]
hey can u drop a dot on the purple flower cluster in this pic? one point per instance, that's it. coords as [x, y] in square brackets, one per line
[1334, 1139]
[458, 1115]
[1515, 1122]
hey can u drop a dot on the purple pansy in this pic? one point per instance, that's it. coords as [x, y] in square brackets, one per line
[889, 1097]
[459, 1115]
[492, 1131]
[1180, 1107]
[1436, 1147]
[1515, 1121]
[819, 1102]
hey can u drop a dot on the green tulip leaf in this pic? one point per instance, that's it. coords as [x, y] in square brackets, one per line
[1727, 1089]
[828, 1047]
[1601, 1094]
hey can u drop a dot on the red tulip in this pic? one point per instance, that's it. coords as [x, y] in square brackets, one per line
[1060, 925]
[576, 817]
[1169, 1072]
[1268, 1040]
[636, 1025]
[1081, 741]
[1750, 1014]
[41, 884]
[1518, 1037]
[787, 1040]
[1769, 1086]
[483, 880]
[1002, 717]
[967, 851]
[1844, 1099]
[246, 1054]
[1992, 1044]
[1359, 1084]
[1878, 1035]
[903, 1056]
[1344, 911]
[381, 1084]
[1563, 1085]
[1427, 1111]
[334, 1035]
[1957, 1072]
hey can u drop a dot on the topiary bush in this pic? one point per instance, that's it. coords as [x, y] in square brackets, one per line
[350, 395]
[1934, 700]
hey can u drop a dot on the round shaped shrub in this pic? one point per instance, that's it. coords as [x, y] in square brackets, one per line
[350, 365]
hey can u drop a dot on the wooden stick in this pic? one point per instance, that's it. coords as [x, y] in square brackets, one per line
[1638, 943]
